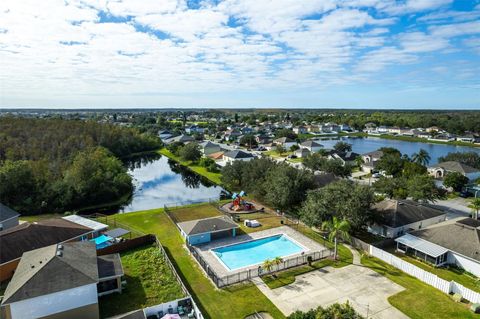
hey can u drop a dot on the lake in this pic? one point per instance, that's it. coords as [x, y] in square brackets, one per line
[158, 181]
[367, 144]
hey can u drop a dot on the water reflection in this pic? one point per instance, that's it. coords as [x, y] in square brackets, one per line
[159, 181]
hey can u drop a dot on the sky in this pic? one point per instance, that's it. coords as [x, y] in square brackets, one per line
[240, 54]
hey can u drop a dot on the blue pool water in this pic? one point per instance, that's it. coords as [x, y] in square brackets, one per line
[256, 251]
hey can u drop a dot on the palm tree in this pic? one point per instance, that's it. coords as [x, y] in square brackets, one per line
[277, 261]
[267, 265]
[475, 206]
[359, 161]
[337, 228]
[422, 157]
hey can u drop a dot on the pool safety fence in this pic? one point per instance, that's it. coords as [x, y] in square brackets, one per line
[241, 276]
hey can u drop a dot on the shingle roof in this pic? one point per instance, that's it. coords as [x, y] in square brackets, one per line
[29, 236]
[283, 140]
[397, 213]
[311, 143]
[206, 225]
[376, 154]
[238, 154]
[458, 237]
[7, 213]
[52, 269]
[453, 166]
[109, 266]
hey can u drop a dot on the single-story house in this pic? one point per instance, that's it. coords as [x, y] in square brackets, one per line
[285, 142]
[441, 169]
[302, 152]
[344, 157]
[263, 139]
[61, 281]
[208, 148]
[312, 146]
[237, 155]
[397, 217]
[8, 217]
[180, 138]
[192, 129]
[164, 134]
[202, 231]
[218, 156]
[29, 236]
[455, 242]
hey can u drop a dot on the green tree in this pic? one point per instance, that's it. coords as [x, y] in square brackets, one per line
[342, 147]
[267, 265]
[412, 169]
[475, 206]
[455, 180]
[279, 149]
[233, 174]
[422, 157]
[337, 229]
[190, 152]
[468, 158]
[343, 199]
[175, 147]
[294, 147]
[248, 140]
[422, 187]
[286, 133]
[391, 163]
[392, 187]
[18, 188]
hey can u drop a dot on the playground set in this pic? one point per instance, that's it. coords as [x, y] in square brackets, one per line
[239, 204]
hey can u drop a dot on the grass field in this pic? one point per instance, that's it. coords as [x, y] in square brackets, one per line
[149, 282]
[419, 300]
[213, 177]
[193, 212]
[234, 302]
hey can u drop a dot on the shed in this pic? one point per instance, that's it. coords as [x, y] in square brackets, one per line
[202, 231]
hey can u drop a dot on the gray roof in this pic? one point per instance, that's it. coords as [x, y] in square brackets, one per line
[7, 213]
[422, 245]
[453, 166]
[181, 138]
[310, 143]
[397, 213]
[117, 232]
[238, 154]
[206, 225]
[376, 154]
[109, 266]
[283, 140]
[52, 269]
[462, 237]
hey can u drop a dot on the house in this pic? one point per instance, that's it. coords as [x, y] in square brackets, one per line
[8, 217]
[441, 169]
[263, 139]
[180, 138]
[300, 130]
[370, 160]
[232, 135]
[202, 231]
[302, 152]
[286, 142]
[313, 128]
[397, 217]
[312, 146]
[237, 155]
[208, 148]
[164, 134]
[345, 128]
[218, 156]
[456, 242]
[97, 227]
[194, 129]
[29, 236]
[61, 281]
[468, 138]
[345, 157]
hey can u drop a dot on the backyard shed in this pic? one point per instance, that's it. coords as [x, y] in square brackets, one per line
[202, 231]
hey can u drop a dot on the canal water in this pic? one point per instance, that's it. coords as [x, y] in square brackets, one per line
[367, 144]
[158, 181]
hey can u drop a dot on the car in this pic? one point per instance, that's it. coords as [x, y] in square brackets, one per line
[376, 175]
[464, 194]
[292, 156]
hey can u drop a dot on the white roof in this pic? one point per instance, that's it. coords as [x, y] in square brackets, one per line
[422, 245]
[86, 222]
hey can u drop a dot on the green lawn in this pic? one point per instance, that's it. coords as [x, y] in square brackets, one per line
[234, 302]
[36, 218]
[196, 211]
[149, 282]
[418, 300]
[213, 177]
[449, 274]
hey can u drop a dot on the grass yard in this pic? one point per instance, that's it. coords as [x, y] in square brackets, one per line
[196, 211]
[449, 274]
[418, 300]
[234, 302]
[213, 177]
[36, 218]
[149, 282]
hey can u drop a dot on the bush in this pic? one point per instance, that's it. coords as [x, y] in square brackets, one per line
[190, 152]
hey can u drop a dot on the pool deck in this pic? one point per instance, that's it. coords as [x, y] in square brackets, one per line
[218, 267]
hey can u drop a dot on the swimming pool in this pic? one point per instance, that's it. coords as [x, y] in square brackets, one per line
[256, 251]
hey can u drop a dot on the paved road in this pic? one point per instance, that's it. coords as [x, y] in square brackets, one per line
[365, 290]
[456, 207]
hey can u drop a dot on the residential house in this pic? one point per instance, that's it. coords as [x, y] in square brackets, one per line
[8, 217]
[164, 135]
[345, 157]
[237, 155]
[208, 148]
[396, 217]
[285, 142]
[302, 152]
[180, 138]
[202, 231]
[194, 129]
[441, 169]
[313, 128]
[311, 145]
[370, 160]
[61, 281]
[29, 236]
[455, 242]
[263, 139]
[232, 135]
[300, 130]
[345, 128]
[468, 138]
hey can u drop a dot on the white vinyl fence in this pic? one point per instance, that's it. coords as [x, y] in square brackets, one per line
[425, 276]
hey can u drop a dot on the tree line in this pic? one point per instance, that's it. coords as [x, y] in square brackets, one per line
[55, 165]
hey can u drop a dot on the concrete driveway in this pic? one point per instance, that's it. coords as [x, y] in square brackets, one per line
[364, 289]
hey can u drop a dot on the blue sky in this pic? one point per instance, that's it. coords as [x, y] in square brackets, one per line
[240, 53]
